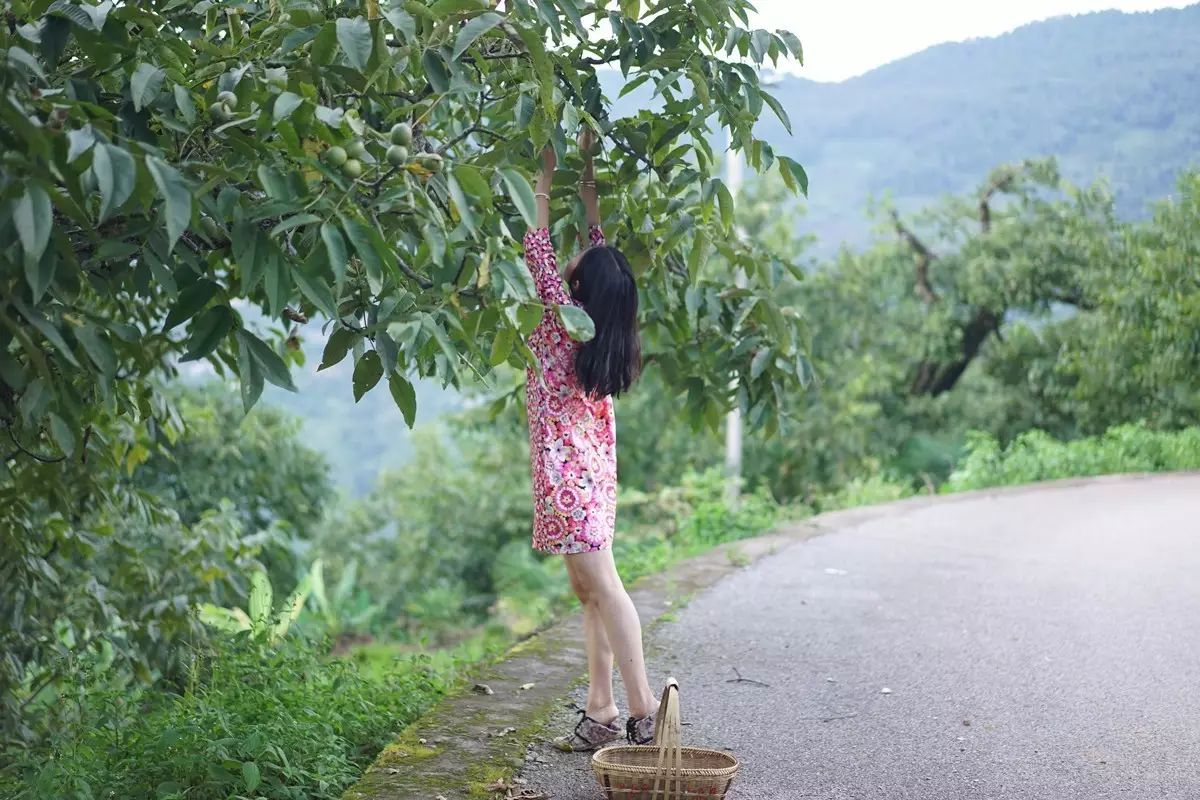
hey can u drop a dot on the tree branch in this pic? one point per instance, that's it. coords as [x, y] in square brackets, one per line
[30, 453]
[924, 257]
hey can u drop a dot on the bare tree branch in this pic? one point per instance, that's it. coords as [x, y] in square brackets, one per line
[924, 257]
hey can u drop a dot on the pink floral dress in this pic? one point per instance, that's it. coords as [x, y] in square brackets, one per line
[572, 437]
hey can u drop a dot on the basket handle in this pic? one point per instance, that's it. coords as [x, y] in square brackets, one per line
[668, 740]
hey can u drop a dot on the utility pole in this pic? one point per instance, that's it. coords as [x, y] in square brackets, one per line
[733, 420]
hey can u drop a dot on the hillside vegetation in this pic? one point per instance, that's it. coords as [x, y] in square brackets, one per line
[1109, 95]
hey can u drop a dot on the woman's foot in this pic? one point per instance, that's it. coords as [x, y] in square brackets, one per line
[589, 734]
[640, 730]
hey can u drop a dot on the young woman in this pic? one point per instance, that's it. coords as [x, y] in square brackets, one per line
[572, 441]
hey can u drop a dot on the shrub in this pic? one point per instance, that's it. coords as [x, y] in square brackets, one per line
[1036, 456]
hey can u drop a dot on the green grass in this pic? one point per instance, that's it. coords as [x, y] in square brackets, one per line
[279, 723]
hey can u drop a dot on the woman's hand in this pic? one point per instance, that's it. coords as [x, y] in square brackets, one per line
[586, 140]
[587, 177]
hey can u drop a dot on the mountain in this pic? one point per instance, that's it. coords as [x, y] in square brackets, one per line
[1111, 94]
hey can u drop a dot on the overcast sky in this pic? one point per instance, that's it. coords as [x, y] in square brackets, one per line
[844, 38]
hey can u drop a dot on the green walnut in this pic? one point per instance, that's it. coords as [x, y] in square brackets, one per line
[357, 149]
[228, 98]
[336, 155]
[402, 134]
[352, 168]
[220, 112]
[431, 162]
[397, 154]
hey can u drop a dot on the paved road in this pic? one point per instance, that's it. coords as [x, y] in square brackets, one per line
[1043, 645]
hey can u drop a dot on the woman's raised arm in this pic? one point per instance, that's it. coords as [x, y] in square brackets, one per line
[541, 190]
[587, 179]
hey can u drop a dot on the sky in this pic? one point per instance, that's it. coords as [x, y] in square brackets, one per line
[844, 38]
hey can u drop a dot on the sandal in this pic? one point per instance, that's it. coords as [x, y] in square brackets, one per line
[589, 734]
[640, 730]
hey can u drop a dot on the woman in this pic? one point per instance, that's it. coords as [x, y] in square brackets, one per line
[572, 438]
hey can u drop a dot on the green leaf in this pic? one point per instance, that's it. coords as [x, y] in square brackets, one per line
[63, 436]
[367, 373]
[294, 221]
[354, 36]
[335, 249]
[460, 202]
[261, 599]
[549, 15]
[72, 12]
[389, 351]
[250, 376]
[230, 620]
[95, 343]
[33, 219]
[405, 397]
[251, 775]
[54, 32]
[316, 291]
[520, 193]
[46, 328]
[183, 102]
[116, 173]
[323, 46]
[272, 366]
[725, 201]
[285, 104]
[759, 363]
[208, 331]
[190, 301]
[339, 344]
[473, 30]
[793, 169]
[435, 71]
[517, 279]
[251, 251]
[39, 273]
[364, 244]
[80, 141]
[759, 41]
[403, 22]
[176, 194]
[793, 44]
[577, 322]
[473, 182]
[502, 345]
[778, 109]
[525, 108]
[145, 84]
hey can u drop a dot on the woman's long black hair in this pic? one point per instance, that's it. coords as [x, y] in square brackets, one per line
[611, 361]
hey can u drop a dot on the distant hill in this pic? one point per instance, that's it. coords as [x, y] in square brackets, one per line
[1109, 94]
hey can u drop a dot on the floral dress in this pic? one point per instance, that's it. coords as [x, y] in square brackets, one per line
[572, 437]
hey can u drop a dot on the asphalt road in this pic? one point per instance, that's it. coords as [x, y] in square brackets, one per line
[1038, 645]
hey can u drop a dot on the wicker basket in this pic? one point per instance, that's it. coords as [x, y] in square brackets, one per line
[665, 770]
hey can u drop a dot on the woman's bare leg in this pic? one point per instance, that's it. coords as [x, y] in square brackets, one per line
[596, 582]
[601, 706]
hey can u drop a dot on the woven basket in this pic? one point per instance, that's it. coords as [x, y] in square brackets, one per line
[665, 770]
